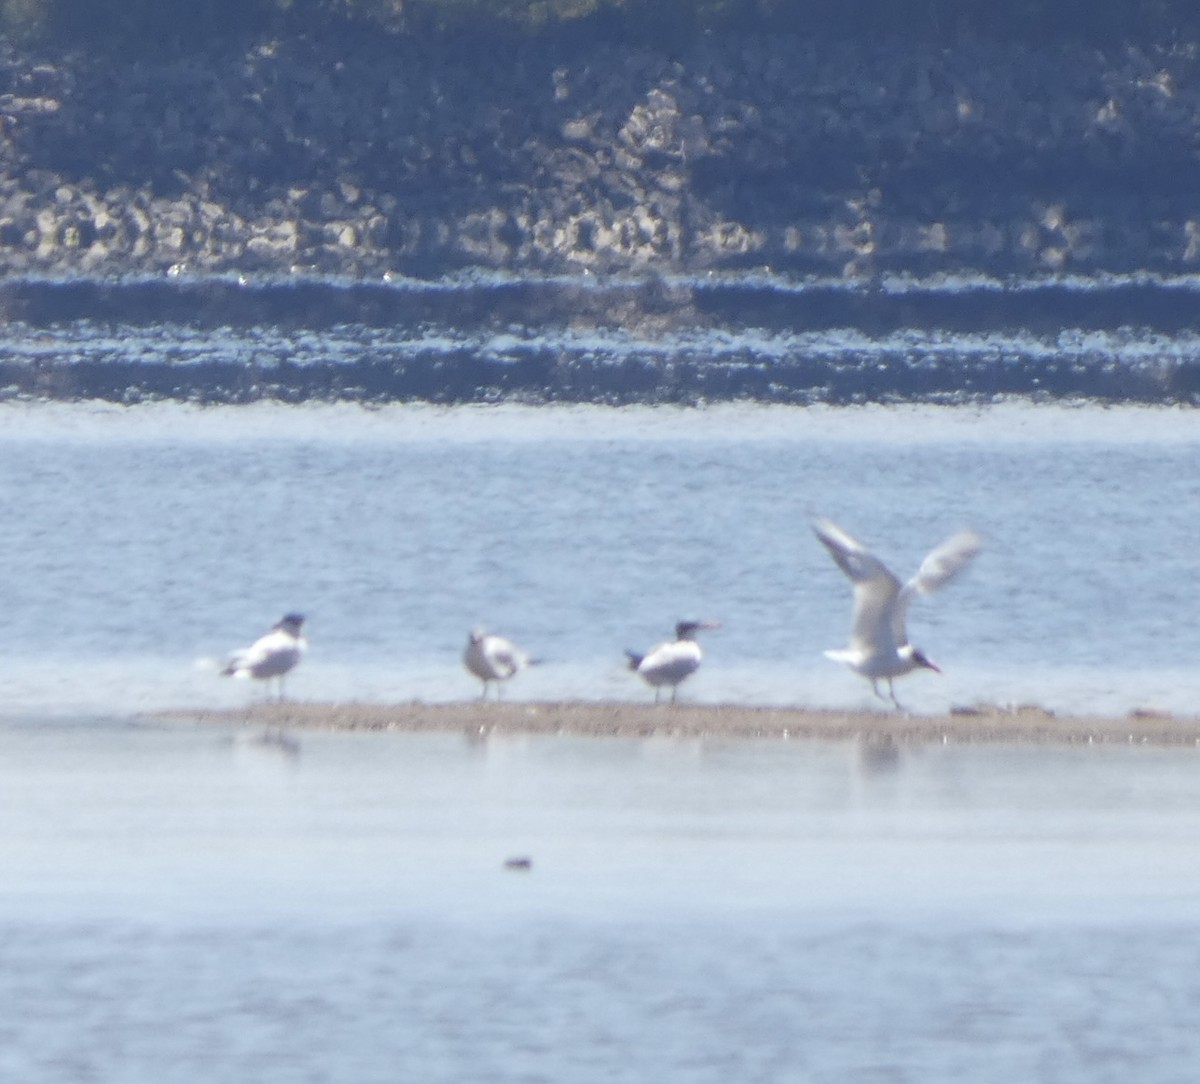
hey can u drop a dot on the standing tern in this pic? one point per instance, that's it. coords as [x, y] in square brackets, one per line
[879, 646]
[493, 658]
[670, 662]
[271, 655]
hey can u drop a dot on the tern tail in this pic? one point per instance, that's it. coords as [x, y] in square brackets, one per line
[635, 660]
[842, 654]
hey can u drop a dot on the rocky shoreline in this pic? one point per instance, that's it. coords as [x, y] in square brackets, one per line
[368, 157]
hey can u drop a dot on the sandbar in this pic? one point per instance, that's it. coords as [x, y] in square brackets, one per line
[1026, 724]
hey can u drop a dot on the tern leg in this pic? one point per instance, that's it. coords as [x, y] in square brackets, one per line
[892, 694]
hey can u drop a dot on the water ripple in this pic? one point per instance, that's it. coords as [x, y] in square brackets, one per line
[698, 340]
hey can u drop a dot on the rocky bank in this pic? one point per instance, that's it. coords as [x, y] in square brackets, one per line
[361, 157]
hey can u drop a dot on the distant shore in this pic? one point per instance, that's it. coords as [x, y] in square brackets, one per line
[364, 156]
[1028, 725]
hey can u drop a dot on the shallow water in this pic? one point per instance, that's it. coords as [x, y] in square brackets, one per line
[717, 337]
[199, 904]
[147, 542]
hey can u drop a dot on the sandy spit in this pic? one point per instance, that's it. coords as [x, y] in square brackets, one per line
[618, 719]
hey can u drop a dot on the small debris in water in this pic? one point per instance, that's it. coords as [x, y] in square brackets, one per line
[520, 863]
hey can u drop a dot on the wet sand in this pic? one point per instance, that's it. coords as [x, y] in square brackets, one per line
[620, 719]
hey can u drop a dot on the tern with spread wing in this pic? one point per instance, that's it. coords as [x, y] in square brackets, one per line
[493, 658]
[879, 646]
[669, 663]
[271, 655]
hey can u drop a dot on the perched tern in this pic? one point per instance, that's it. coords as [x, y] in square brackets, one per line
[879, 646]
[493, 658]
[670, 662]
[271, 655]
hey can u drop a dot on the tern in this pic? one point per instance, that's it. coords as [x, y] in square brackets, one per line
[493, 658]
[670, 662]
[879, 646]
[271, 655]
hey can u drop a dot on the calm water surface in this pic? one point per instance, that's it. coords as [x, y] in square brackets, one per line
[193, 904]
[144, 543]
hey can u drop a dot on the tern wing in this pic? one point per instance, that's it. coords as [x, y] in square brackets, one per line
[270, 655]
[938, 569]
[875, 588]
[247, 658]
[505, 657]
[669, 663]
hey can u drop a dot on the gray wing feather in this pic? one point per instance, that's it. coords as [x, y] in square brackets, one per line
[875, 588]
[506, 658]
[941, 566]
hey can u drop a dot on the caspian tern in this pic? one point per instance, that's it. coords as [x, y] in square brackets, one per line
[670, 662]
[493, 658]
[271, 655]
[879, 646]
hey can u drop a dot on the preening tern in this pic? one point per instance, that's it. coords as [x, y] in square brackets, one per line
[670, 662]
[272, 655]
[879, 646]
[493, 658]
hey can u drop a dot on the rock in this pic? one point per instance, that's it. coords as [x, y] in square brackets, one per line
[559, 156]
